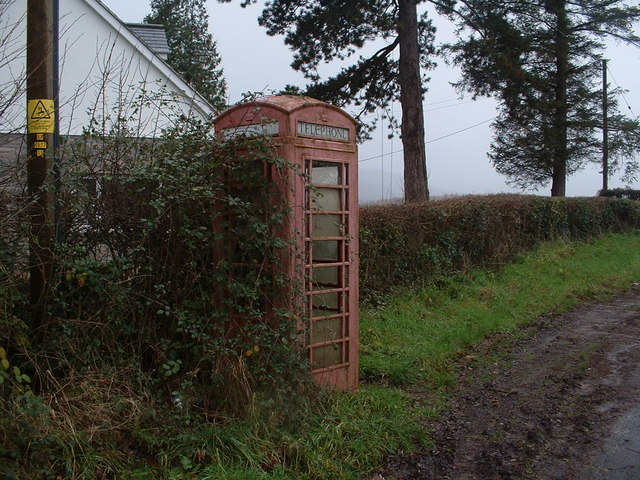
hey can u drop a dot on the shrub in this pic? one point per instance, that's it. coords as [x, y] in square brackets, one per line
[164, 294]
[402, 245]
[628, 193]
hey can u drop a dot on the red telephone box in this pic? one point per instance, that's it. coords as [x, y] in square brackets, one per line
[319, 139]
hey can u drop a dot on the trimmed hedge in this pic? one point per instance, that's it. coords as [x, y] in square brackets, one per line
[404, 245]
[628, 193]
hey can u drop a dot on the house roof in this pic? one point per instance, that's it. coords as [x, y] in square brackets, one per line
[137, 43]
[154, 36]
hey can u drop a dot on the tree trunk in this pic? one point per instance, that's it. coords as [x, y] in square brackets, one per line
[415, 163]
[559, 175]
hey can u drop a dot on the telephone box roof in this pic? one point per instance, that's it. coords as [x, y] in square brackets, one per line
[287, 103]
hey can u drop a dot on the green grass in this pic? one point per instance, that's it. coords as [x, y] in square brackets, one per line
[348, 435]
[410, 344]
[418, 334]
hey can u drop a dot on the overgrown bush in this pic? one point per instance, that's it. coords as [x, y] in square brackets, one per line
[166, 308]
[628, 193]
[402, 245]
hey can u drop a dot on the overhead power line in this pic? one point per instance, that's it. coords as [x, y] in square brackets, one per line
[442, 101]
[460, 131]
[621, 92]
[430, 141]
[379, 156]
[448, 106]
[428, 106]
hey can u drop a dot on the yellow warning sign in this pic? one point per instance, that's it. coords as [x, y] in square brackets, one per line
[40, 116]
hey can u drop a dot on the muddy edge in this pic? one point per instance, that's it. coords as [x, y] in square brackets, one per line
[543, 407]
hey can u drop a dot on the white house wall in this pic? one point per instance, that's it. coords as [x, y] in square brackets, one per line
[107, 74]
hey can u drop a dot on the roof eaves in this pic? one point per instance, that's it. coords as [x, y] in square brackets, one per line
[122, 29]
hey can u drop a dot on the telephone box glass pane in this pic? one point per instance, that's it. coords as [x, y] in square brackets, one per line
[327, 199]
[325, 173]
[326, 330]
[326, 301]
[327, 276]
[327, 225]
[317, 313]
[327, 356]
[325, 251]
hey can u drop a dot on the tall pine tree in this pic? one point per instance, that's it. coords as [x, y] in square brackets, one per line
[193, 52]
[542, 60]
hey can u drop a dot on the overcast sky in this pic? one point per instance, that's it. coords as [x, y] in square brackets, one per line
[457, 163]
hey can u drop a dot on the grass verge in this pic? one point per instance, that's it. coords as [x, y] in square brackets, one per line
[411, 343]
[349, 435]
[417, 335]
[414, 341]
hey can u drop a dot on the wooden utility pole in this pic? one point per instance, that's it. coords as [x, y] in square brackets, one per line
[41, 123]
[605, 129]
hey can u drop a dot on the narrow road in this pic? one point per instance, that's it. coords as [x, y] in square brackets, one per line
[562, 402]
[620, 455]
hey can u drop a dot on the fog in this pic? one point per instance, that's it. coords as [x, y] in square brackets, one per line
[458, 131]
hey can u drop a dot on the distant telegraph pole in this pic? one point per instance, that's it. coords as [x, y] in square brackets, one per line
[41, 122]
[605, 129]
